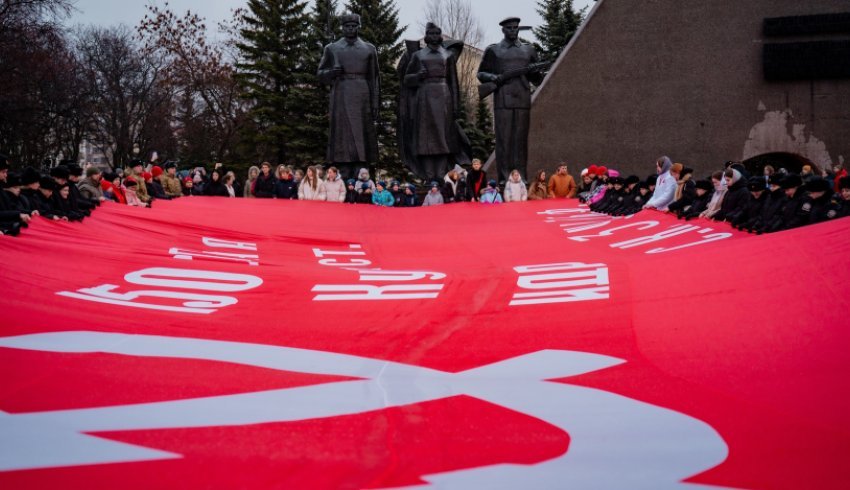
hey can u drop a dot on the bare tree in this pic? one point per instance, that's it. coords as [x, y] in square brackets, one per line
[458, 21]
[129, 101]
[201, 78]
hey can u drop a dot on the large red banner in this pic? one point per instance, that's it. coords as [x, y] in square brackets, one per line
[211, 343]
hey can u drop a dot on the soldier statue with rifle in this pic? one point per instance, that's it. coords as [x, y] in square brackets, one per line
[508, 68]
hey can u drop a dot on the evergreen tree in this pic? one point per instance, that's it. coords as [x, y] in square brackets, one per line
[560, 23]
[379, 19]
[324, 29]
[481, 135]
[275, 52]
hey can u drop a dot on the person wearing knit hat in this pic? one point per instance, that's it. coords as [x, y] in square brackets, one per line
[434, 196]
[351, 193]
[365, 196]
[131, 189]
[409, 199]
[156, 171]
[382, 197]
[89, 187]
[491, 193]
[155, 188]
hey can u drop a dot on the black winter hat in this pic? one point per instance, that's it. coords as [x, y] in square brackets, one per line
[791, 181]
[75, 170]
[844, 183]
[686, 171]
[755, 184]
[632, 179]
[705, 185]
[643, 185]
[47, 183]
[60, 172]
[651, 179]
[30, 176]
[817, 185]
[12, 180]
[775, 179]
[617, 180]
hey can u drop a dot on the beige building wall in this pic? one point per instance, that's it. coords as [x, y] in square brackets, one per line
[644, 78]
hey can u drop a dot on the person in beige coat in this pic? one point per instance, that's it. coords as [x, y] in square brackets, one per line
[311, 187]
[334, 187]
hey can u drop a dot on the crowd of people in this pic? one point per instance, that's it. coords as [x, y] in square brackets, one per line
[774, 201]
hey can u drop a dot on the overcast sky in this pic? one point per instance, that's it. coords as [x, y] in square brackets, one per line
[489, 12]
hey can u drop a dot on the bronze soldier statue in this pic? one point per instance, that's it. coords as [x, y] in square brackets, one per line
[350, 67]
[432, 139]
[509, 67]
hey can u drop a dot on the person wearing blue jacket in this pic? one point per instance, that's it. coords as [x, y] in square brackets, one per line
[382, 197]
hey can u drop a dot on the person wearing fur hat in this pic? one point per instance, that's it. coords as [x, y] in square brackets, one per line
[364, 178]
[334, 187]
[62, 204]
[665, 184]
[754, 206]
[562, 185]
[15, 212]
[795, 198]
[170, 182]
[770, 217]
[351, 193]
[818, 202]
[90, 186]
[42, 199]
[515, 189]
[630, 191]
[491, 193]
[434, 197]
[381, 196]
[615, 197]
[736, 198]
[409, 199]
[454, 188]
[538, 189]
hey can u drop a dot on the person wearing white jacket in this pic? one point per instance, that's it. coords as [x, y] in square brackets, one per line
[665, 185]
[334, 187]
[515, 190]
[311, 187]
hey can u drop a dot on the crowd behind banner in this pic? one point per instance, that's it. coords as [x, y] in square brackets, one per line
[775, 201]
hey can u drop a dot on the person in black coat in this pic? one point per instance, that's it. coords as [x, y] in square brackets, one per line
[286, 187]
[351, 193]
[78, 201]
[842, 199]
[818, 203]
[630, 190]
[215, 187]
[365, 196]
[62, 204]
[12, 217]
[409, 199]
[736, 198]
[703, 190]
[476, 181]
[614, 197]
[264, 186]
[770, 217]
[751, 212]
[61, 175]
[792, 209]
[686, 191]
[41, 199]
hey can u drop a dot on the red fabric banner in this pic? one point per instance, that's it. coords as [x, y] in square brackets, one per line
[207, 343]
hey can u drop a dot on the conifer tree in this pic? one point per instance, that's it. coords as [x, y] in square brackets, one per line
[481, 135]
[560, 23]
[380, 26]
[274, 48]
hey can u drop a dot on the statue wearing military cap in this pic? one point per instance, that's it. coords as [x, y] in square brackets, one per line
[509, 68]
[350, 67]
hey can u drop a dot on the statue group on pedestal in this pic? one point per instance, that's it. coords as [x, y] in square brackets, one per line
[431, 137]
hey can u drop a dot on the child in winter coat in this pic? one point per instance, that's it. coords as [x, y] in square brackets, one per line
[334, 187]
[382, 196]
[409, 199]
[491, 193]
[130, 185]
[363, 178]
[398, 194]
[365, 196]
[515, 190]
[433, 198]
[351, 193]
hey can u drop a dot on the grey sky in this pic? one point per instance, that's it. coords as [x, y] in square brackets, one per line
[490, 12]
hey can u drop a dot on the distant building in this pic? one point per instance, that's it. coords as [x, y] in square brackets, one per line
[766, 81]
